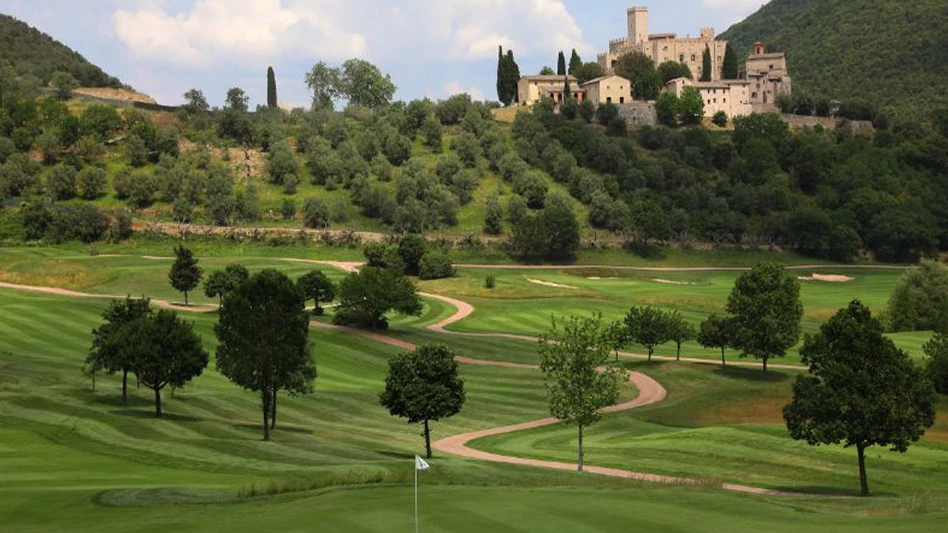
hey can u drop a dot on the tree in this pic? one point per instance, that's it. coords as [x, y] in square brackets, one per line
[670, 70]
[640, 69]
[766, 311]
[716, 332]
[648, 326]
[919, 301]
[412, 248]
[423, 386]
[106, 353]
[729, 68]
[618, 335]
[326, 85]
[432, 133]
[164, 350]
[691, 106]
[936, 362]
[861, 390]
[263, 340]
[365, 297]
[271, 89]
[61, 182]
[185, 274]
[92, 183]
[365, 85]
[575, 63]
[588, 71]
[493, 217]
[506, 91]
[282, 168]
[513, 75]
[666, 107]
[720, 119]
[561, 64]
[195, 102]
[571, 359]
[237, 99]
[547, 71]
[65, 84]
[317, 287]
[680, 331]
[436, 264]
[567, 90]
[706, 67]
[221, 282]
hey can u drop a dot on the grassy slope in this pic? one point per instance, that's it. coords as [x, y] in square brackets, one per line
[74, 459]
[886, 51]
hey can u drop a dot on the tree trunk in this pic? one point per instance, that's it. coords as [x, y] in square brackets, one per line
[765, 363]
[157, 402]
[723, 361]
[649, 360]
[124, 387]
[265, 395]
[273, 411]
[185, 298]
[580, 458]
[863, 479]
[679, 352]
[617, 355]
[427, 440]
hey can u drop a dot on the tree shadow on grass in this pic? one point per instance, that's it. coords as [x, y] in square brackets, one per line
[751, 374]
[397, 455]
[172, 417]
[280, 428]
[820, 491]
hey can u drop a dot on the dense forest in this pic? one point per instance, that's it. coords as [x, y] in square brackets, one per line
[33, 53]
[889, 53]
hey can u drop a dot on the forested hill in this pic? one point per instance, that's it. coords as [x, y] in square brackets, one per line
[891, 52]
[32, 52]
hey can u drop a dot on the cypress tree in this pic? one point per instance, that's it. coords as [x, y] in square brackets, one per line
[513, 76]
[503, 94]
[567, 90]
[706, 64]
[575, 62]
[561, 64]
[729, 68]
[271, 89]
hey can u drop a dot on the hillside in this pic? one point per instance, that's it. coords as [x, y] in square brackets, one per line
[887, 51]
[32, 52]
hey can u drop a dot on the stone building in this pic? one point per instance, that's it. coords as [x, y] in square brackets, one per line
[531, 89]
[662, 47]
[730, 96]
[767, 75]
[608, 89]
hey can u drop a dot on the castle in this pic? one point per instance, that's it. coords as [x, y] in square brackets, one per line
[661, 47]
[763, 78]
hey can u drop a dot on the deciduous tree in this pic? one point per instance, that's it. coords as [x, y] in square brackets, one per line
[716, 332]
[766, 312]
[648, 326]
[571, 359]
[263, 340]
[424, 385]
[317, 287]
[221, 282]
[680, 331]
[861, 390]
[366, 296]
[106, 354]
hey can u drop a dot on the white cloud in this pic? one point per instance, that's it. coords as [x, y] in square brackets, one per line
[230, 31]
[454, 87]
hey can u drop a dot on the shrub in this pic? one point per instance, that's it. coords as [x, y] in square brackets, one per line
[92, 183]
[490, 281]
[316, 213]
[61, 182]
[435, 264]
[719, 119]
[288, 209]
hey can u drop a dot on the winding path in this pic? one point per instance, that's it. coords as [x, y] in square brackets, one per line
[649, 390]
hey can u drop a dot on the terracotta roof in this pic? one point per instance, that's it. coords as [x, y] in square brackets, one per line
[553, 77]
[600, 78]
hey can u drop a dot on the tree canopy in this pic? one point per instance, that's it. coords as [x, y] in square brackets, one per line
[424, 385]
[861, 389]
[106, 354]
[263, 340]
[359, 82]
[765, 312]
[185, 274]
[571, 357]
[365, 297]
[650, 327]
[317, 287]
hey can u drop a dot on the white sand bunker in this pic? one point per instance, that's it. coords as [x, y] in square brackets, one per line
[597, 278]
[826, 278]
[550, 284]
[670, 282]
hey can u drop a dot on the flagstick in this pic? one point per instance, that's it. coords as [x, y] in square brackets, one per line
[416, 496]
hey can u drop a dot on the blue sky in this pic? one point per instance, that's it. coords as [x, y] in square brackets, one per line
[430, 47]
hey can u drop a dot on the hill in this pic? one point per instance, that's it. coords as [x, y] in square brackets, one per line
[32, 52]
[889, 52]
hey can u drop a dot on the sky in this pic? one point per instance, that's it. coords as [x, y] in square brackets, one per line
[431, 48]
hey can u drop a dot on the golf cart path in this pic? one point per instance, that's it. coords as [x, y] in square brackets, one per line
[164, 304]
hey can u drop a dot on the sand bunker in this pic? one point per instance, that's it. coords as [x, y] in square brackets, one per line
[551, 284]
[597, 278]
[670, 282]
[826, 278]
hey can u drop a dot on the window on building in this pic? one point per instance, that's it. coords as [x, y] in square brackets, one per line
[681, 58]
[622, 99]
[715, 100]
[608, 99]
[724, 100]
[771, 67]
[692, 57]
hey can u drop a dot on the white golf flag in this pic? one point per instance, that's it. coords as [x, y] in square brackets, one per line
[420, 464]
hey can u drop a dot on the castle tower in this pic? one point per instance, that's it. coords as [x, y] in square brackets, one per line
[758, 48]
[707, 34]
[638, 25]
